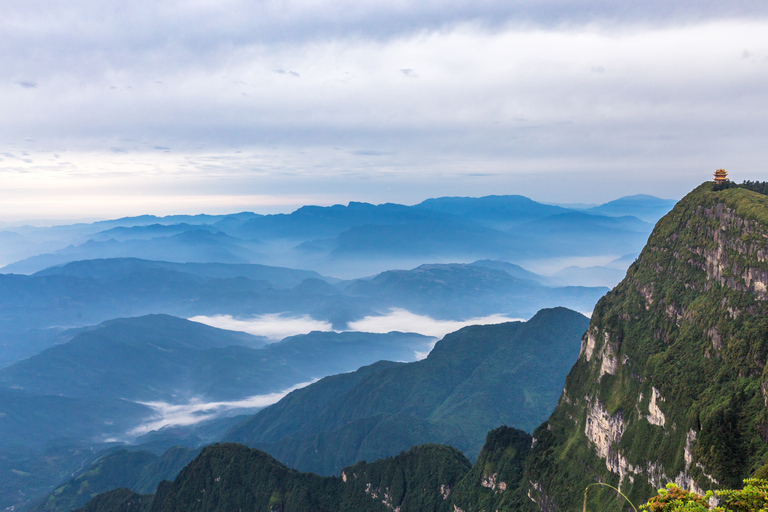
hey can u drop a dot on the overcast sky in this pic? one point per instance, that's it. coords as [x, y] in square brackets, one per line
[117, 108]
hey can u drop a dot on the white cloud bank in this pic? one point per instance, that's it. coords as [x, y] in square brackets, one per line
[182, 415]
[405, 321]
[272, 326]
[277, 326]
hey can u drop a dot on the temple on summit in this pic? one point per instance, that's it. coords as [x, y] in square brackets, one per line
[720, 176]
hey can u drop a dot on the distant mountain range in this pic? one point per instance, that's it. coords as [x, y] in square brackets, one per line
[354, 240]
[95, 347]
[668, 387]
[39, 311]
[474, 380]
[160, 357]
[159, 370]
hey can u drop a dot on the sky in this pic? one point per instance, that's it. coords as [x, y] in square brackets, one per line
[124, 108]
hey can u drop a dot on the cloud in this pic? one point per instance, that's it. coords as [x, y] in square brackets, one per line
[276, 326]
[272, 326]
[505, 90]
[177, 415]
[409, 73]
[370, 152]
[283, 71]
[27, 84]
[405, 321]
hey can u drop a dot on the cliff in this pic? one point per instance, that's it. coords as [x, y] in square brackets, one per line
[671, 383]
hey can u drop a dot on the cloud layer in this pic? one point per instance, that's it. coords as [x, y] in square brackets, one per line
[184, 415]
[405, 321]
[163, 107]
[272, 326]
[276, 326]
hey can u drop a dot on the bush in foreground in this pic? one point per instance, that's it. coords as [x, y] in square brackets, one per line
[753, 497]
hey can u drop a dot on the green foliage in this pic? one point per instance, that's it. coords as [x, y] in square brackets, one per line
[118, 500]
[137, 471]
[752, 497]
[145, 359]
[688, 324]
[230, 477]
[421, 479]
[601, 484]
[675, 499]
[474, 380]
[761, 187]
[494, 481]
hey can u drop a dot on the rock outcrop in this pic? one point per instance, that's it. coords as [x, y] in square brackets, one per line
[671, 384]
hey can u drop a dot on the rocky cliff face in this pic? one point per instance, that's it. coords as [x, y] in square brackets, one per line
[671, 384]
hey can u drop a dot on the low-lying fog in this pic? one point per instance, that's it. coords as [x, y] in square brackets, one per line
[184, 415]
[273, 326]
[277, 327]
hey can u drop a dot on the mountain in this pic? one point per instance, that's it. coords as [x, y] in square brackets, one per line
[114, 268]
[36, 310]
[232, 477]
[494, 481]
[645, 207]
[512, 269]
[319, 222]
[670, 383]
[469, 290]
[157, 380]
[39, 311]
[500, 212]
[123, 233]
[430, 477]
[582, 234]
[589, 276]
[138, 471]
[475, 379]
[195, 245]
[29, 241]
[160, 357]
[33, 422]
[345, 240]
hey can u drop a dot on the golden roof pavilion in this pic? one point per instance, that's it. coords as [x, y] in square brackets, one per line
[720, 176]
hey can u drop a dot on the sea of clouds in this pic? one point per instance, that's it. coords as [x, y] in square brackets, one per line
[195, 411]
[276, 327]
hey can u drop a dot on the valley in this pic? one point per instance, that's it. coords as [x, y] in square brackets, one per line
[112, 345]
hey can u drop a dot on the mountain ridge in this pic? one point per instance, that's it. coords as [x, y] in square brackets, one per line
[669, 383]
[453, 396]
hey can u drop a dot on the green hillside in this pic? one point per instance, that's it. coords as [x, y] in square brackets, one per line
[230, 477]
[493, 483]
[475, 379]
[161, 357]
[427, 478]
[140, 471]
[670, 384]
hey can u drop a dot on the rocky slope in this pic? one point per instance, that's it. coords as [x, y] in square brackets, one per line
[671, 383]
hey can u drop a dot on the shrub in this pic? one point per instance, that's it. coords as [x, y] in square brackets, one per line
[753, 497]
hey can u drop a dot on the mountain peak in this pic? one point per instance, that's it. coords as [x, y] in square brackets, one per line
[668, 386]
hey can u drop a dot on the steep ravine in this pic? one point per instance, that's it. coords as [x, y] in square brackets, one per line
[671, 383]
